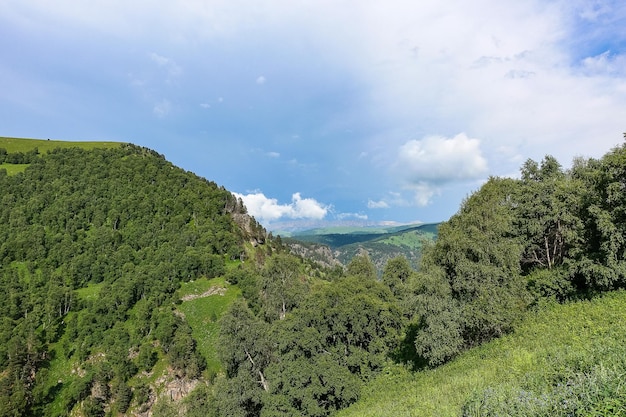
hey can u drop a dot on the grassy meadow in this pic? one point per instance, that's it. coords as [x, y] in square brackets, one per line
[564, 360]
[202, 311]
[13, 169]
[43, 145]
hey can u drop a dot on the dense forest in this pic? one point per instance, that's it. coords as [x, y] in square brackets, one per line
[126, 225]
[95, 245]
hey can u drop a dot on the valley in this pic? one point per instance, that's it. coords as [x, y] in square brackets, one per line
[134, 287]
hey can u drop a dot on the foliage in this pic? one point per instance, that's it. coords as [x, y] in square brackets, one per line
[93, 245]
[514, 243]
[361, 266]
[282, 286]
[312, 361]
[470, 289]
[566, 352]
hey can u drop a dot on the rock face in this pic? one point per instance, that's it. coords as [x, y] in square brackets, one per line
[169, 389]
[177, 389]
[320, 254]
[251, 230]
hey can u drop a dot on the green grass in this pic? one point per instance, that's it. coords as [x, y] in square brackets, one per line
[412, 239]
[202, 315]
[90, 292]
[25, 145]
[13, 169]
[562, 343]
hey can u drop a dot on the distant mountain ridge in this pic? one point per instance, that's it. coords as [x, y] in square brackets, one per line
[380, 243]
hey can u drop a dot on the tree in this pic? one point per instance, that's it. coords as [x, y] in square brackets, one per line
[473, 289]
[438, 335]
[282, 286]
[396, 274]
[244, 346]
[546, 214]
[362, 266]
[339, 337]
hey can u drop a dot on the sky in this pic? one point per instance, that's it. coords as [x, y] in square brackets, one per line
[321, 112]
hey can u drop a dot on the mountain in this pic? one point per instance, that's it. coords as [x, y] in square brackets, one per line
[380, 243]
[96, 242]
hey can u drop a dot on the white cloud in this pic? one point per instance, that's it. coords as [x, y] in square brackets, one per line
[377, 204]
[273, 154]
[423, 192]
[426, 167]
[605, 63]
[261, 80]
[205, 105]
[267, 209]
[438, 160]
[358, 216]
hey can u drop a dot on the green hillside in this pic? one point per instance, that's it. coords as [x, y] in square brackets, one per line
[13, 145]
[381, 243]
[350, 230]
[134, 287]
[94, 244]
[561, 361]
[203, 303]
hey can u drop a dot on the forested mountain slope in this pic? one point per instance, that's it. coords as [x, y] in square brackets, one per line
[93, 245]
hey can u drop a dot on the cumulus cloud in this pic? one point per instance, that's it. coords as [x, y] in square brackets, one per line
[261, 80]
[423, 192]
[267, 209]
[437, 159]
[426, 166]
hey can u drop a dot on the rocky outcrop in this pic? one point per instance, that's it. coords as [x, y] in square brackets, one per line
[170, 390]
[251, 230]
[320, 254]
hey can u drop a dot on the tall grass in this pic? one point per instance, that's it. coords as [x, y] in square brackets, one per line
[565, 360]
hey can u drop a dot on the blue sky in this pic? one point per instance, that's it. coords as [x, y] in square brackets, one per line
[323, 111]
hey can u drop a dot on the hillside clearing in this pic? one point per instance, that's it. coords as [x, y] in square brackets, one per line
[204, 301]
